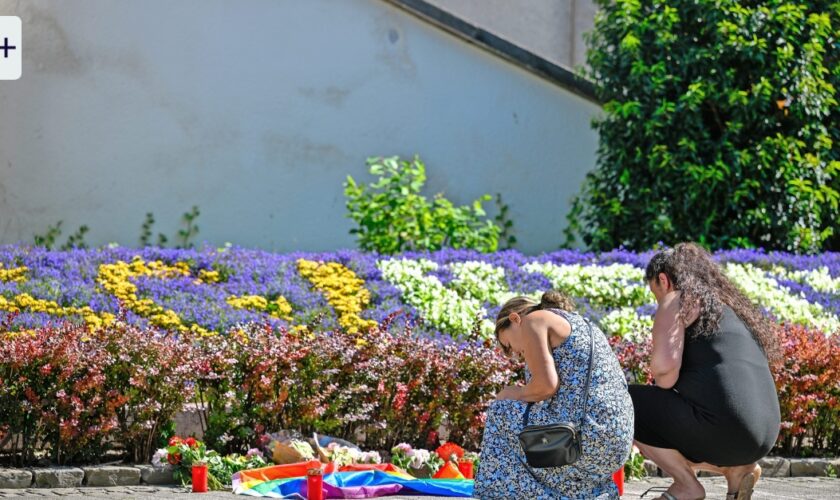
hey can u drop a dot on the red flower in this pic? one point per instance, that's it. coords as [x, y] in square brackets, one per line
[174, 441]
[447, 450]
[173, 459]
[191, 442]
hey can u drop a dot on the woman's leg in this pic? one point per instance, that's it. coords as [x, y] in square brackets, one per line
[685, 486]
[734, 475]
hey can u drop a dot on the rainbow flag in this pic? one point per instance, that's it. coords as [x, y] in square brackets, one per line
[354, 481]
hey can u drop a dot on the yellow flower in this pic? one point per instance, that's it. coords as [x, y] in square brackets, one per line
[344, 290]
[14, 274]
[205, 276]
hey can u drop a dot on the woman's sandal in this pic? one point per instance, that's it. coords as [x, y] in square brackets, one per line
[663, 495]
[746, 486]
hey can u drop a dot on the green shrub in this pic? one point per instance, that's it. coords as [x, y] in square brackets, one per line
[720, 125]
[393, 216]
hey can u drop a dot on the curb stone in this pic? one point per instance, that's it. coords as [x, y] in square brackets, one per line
[651, 469]
[774, 467]
[158, 476]
[809, 467]
[58, 477]
[111, 476]
[134, 475]
[15, 478]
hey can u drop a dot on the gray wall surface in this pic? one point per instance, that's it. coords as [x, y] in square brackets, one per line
[257, 110]
[552, 29]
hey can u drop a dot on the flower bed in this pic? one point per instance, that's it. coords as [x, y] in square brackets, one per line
[347, 343]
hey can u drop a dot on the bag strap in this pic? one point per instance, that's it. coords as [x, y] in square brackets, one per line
[527, 415]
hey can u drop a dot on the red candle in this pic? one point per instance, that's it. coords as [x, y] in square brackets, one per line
[199, 478]
[315, 484]
[466, 468]
[618, 479]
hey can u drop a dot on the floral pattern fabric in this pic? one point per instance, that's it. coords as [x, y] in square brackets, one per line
[607, 434]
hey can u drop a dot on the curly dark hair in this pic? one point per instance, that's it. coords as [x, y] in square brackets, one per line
[703, 286]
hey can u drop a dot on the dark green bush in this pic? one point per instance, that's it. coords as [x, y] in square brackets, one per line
[393, 216]
[720, 125]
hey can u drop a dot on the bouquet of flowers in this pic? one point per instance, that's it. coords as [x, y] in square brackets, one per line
[183, 453]
[450, 452]
[406, 457]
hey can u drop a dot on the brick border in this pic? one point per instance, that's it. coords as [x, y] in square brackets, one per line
[133, 475]
[775, 467]
[94, 476]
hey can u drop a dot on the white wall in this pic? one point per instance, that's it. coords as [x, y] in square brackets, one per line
[257, 110]
[552, 29]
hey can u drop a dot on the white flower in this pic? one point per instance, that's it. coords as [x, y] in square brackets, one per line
[370, 457]
[159, 458]
[419, 458]
[779, 300]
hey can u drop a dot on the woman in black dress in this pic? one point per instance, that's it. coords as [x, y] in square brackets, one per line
[714, 405]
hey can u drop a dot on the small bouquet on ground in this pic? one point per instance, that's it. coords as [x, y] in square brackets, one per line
[450, 454]
[419, 462]
[183, 453]
[291, 451]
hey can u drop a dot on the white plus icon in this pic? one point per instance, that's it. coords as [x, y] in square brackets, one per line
[11, 37]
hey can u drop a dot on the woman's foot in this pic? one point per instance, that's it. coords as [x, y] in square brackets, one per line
[741, 481]
[681, 491]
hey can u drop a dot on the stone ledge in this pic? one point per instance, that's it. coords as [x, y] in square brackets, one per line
[128, 475]
[15, 478]
[814, 467]
[774, 467]
[111, 476]
[58, 477]
[158, 476]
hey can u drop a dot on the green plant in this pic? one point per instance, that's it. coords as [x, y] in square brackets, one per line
[146, 232]
[77, 239]
[392, 216]
[634, 468]
[505, 224]
[47, 240]
[719, 126]
[191, 228]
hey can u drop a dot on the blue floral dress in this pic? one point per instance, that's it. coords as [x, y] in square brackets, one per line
[607, 434]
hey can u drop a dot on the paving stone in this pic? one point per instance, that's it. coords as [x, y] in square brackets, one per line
[651, 468]
[814, 467]
[111, 476]
[15, 478]
[58, 477]
[774, 467]
[156, 475]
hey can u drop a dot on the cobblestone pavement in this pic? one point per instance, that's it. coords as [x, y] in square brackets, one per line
[768, 489]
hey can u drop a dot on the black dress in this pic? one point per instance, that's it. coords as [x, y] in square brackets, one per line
[723, 410]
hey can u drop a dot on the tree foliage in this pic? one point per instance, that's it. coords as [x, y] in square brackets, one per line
[720, 125]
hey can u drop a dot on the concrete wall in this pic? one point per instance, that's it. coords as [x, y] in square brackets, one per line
[257, 110]
[552, 29]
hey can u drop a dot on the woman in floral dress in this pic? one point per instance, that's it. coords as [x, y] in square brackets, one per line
[555, 344]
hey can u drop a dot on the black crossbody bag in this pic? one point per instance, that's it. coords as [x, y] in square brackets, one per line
[555, 445]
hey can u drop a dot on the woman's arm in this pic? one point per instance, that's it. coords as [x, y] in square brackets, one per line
[668, 341]
[544, 380]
